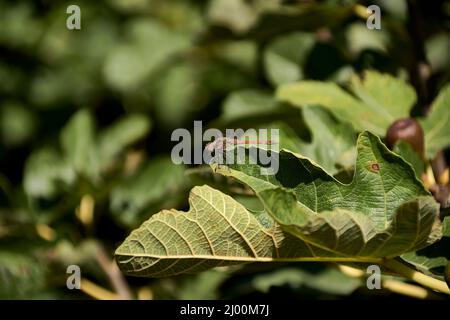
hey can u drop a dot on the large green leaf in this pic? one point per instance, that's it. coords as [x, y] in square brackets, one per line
[377, 175]
[385, 211]
[437, 124]
[216, 231]
[371, 218]
[378, 100]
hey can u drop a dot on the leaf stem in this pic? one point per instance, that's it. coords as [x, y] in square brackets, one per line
[416, 276]
[392, 285]
[115, 276]
[409, 290]
[97, 292]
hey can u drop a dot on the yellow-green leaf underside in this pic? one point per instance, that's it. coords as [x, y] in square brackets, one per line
[217, 231]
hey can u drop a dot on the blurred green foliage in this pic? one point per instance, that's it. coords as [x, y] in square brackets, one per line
[90, 112]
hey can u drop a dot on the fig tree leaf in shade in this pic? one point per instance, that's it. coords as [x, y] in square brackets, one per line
[332, 141]
[437, 124]
[78, 142]
[378, 100]
[152, 187]
[327, 280]
[173, 109]
[433, 259]
[45, 171]
[285, 56]
[83, 152]
[119, 135]
[202, 286]
[17, 123]
[254, 108]
[360, 38]
[438, 51]
[148, 46]
[300, 17]
[248, 102]
[216, 231]
[288, 138]
[234, 14]
[384, 212]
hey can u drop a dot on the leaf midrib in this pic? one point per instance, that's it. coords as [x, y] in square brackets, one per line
[250, 259]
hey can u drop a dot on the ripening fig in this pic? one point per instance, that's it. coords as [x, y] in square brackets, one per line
[408, 130]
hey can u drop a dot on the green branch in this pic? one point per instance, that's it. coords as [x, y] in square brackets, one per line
[417, 276]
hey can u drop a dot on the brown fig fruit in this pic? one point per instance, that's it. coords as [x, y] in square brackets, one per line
[408, 130]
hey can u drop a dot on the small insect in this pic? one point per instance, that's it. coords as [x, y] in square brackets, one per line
[224, 145]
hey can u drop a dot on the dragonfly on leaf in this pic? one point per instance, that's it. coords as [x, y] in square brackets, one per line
[224, 147]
